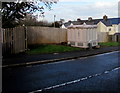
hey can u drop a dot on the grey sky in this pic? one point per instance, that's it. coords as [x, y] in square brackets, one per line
[73, 9]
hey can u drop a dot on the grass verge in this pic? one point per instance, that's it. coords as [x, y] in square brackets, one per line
[109, 44]
[42, 49]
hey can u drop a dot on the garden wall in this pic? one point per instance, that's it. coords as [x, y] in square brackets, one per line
[103, 37]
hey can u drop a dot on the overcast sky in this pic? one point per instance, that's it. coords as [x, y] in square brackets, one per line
[73, 9]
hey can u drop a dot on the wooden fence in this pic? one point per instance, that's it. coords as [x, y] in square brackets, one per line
[46, 35]
[0, 45]
[14, 40]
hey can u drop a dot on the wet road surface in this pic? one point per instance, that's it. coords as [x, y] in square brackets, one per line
[96, 73]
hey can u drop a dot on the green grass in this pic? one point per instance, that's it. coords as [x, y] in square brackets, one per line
[41, 49]
[110, 44]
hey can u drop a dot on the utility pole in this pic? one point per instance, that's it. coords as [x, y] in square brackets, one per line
[54, 20]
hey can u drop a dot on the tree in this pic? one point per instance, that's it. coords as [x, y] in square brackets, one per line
[13, 12]
[31, 20]
[56, 24]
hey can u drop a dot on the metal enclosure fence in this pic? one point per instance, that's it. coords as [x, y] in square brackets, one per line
[82, 35]
[14, 40]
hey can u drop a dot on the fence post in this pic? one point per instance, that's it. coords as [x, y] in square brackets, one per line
[1, 42]
[12, 41]
[25, 30]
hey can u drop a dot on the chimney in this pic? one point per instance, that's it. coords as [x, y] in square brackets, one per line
[90, 19]
[70, 21]
[105, 17]
[79, 19]
[62, 20]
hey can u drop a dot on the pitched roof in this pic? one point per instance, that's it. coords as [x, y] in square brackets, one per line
[83, 26]
[67, 24]
[117, 34]
[96, 21]
[114, 20]
[77, 22]
[108, 22]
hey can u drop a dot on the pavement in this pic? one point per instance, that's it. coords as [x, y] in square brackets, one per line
[26, 60]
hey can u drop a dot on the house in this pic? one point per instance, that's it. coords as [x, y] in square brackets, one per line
[78, 22]
[109, 25]
[106, 24]
[116, 36]
[105, 27]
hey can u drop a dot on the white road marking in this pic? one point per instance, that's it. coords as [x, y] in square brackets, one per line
[106, 72]
[57, 62]
[74, 81]
[55, 53]
[107, 53]
[116, 68]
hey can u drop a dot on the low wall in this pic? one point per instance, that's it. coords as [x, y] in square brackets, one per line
[43, 35]
[103, 37]
[114, 38]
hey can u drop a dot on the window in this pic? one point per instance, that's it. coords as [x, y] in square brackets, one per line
[72, 43]
[80, 44]
[78, 34]
[109, 29]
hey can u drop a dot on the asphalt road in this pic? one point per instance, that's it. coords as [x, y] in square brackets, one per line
[96, 73]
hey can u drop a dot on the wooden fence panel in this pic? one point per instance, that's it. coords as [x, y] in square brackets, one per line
[14, 40]
[46, 35]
